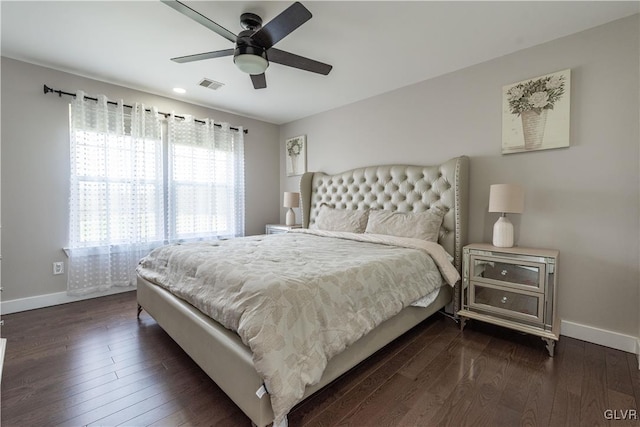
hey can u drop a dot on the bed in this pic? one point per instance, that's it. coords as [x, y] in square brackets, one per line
[226, 355]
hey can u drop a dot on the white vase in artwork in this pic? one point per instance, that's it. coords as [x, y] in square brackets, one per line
[294, 164]
[533, 125]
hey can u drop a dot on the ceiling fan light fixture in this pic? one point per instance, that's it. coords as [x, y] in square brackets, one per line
[250, 60]
[251, 64]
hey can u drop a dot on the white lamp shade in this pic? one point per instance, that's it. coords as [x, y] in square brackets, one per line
[291, 200]
[506, 198]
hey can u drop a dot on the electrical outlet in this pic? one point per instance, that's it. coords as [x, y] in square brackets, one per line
[58, 267]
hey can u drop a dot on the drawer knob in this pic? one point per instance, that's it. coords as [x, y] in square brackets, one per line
[503, 272]
[503, 300]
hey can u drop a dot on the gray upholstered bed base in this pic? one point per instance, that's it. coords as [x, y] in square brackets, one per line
[220, 352]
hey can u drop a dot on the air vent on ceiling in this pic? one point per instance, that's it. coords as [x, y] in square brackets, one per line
[211, 84]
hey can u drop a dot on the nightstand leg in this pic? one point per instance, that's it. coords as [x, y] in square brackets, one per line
[463, 322]
[139, 311]
[551, 344]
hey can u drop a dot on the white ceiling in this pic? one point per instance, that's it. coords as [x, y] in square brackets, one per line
[374, 46]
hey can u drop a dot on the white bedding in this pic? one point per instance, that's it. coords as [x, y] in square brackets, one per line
[297, 299]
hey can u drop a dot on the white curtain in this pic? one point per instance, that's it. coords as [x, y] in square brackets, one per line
[206, 180]
[116, 193]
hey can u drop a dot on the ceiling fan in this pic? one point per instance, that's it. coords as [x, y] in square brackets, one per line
[254, 46]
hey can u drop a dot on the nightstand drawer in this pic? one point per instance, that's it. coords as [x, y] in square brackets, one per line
[519, 274]
[276, 230]
[528, 306]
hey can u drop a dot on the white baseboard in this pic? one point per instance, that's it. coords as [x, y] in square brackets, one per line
[48, 300]
[599, 336]
[591, 334]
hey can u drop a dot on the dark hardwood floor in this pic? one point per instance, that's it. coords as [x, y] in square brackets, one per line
[93, 363]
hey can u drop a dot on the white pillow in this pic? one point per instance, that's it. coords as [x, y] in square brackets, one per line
[330, 219]
[418, 225]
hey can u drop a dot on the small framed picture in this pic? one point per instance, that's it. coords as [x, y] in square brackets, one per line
[535, 113]
[296, 155]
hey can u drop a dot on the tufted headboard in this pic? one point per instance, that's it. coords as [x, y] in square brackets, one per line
[397, 188]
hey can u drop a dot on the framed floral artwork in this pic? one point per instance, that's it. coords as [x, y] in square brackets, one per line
[296, 155]
[535, 113]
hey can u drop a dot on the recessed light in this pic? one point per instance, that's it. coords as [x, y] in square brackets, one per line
[179, 90]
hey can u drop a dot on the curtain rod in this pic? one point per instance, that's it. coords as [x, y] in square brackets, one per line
[47, 90]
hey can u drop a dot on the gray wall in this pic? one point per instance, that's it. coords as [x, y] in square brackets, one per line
[35, 170]
[582, 200]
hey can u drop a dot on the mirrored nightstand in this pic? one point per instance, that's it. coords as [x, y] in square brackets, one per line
[511, 287]
[280, 228]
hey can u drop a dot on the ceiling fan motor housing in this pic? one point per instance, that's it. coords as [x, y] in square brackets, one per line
[248, 56]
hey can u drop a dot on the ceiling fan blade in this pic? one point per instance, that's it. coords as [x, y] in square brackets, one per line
[296, 61]
[282, 25]
[201, 56]
[201, 19]
[259, 81]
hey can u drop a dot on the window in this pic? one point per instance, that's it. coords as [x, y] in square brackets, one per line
[117, 181]
[123, 202]
[206, 181]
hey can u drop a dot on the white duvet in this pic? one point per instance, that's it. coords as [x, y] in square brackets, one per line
[298, 299]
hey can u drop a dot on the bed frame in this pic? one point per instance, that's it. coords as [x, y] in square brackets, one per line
[220, 352]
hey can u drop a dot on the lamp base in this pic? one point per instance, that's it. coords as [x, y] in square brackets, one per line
[291, 217]
[503, 233]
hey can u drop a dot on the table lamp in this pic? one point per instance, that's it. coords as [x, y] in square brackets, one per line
[291, 200]
[505, 198]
